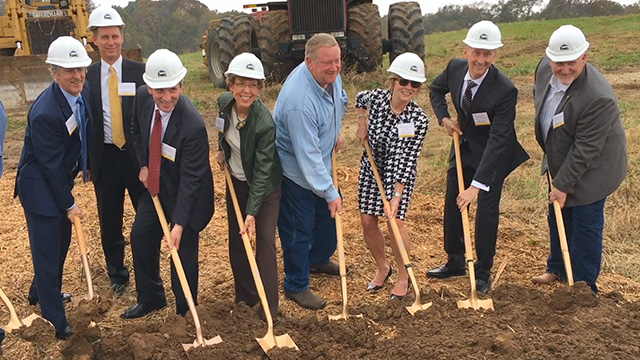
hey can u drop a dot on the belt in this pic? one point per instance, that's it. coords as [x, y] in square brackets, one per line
[124, 148]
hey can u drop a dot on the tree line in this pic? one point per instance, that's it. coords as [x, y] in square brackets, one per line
[178, 25]
[456, 17]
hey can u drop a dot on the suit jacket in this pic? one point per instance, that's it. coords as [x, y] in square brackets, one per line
[50, 157]
[493, 150]
[587, 156]
[131, 72]
[186, 183]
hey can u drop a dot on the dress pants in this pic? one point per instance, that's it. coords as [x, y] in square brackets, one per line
[146, 239]
[266, 222]
[116, 174]
[486, 224]
[307, 234]
[49, 238]
[584, 226]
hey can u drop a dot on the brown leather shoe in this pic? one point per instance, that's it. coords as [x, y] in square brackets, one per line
[546, 278]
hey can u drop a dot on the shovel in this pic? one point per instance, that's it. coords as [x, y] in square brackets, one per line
[473, 301]
[341, 260]
[77, 224]
[15, 322]
[562, 235]
[199, 341]
[416, 306]
[270, 339]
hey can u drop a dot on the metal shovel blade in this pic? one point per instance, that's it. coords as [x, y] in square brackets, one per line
[205, 342]
[416, 306]
[475, 303]
[269, 341]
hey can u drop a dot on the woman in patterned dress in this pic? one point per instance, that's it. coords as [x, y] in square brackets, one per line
[396, 130]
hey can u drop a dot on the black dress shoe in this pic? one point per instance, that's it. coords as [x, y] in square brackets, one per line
[118, 289]
[66, 297]
[64, 334]
[371, 287]
[482, 286]
[140, 310]
[444, 272]
[399, 297]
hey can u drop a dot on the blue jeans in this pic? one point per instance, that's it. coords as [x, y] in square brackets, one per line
[584, 226]
[307, 234]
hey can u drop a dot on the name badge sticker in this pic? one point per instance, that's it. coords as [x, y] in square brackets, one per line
[406, 130]
[71, 124]
[127, 89]
[220, 124]
[168, 152]
[558, 120]
[481, 119]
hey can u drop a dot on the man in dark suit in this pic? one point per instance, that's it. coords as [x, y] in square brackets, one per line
[578, 127]
[55, 149]
[165, 121]
[113, 81]
[485, 100]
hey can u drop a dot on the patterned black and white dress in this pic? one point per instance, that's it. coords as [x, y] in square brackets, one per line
[396, 157]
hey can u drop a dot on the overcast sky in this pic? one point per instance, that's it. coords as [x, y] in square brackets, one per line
[427, 6]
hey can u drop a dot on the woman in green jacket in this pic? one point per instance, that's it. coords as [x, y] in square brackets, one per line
[247, 146]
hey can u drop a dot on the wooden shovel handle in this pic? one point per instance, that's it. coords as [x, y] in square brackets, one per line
[186, 290]
[562, 236]
[249, 251]
[80, 234]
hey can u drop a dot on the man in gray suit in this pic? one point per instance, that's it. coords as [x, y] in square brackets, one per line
[579, 129]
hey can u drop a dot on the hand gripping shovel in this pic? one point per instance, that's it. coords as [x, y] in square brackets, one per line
[270, 339]
[416, 306]
[15, 322]
[473, 301]
[341, 260]
[77, 224]
[562, 235]
[199, 341]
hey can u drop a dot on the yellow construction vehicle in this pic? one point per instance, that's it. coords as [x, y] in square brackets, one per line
[27, 29]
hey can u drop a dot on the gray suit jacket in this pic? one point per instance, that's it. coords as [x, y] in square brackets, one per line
[587, 156]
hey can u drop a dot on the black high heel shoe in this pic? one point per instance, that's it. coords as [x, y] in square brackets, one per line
[399, 297]
[371, 287]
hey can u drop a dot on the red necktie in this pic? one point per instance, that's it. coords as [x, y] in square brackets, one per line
[155, 155]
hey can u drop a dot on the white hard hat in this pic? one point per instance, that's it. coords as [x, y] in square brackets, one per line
[484, 35]
[567, 43]
[163, 70]
[408, 66]
[104, 16]
[246, 65]
[68, 52]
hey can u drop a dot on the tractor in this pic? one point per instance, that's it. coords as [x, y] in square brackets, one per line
[277, 34]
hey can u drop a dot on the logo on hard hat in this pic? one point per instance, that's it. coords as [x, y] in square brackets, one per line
[162, 73]
[564, 47]
[107, 16]
[250, 67]
[414, 68]
[73, 54]
[484, 37]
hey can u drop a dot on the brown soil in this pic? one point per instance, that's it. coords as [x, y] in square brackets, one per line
[529, 322]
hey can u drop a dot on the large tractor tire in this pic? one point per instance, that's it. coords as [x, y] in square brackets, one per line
[406, 30]
[364, 23]
[229, 38]
[274, 28]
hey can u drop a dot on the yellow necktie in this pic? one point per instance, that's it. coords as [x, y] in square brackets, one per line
[117, 129]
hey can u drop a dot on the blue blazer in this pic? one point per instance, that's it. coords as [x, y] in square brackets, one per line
[50, 157]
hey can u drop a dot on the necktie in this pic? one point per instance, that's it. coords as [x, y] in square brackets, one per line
[155, 154]
[466, 99]
[82, 125]
[117, 129]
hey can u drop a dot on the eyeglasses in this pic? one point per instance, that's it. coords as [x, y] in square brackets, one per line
[71, 71]
[405, 82]
[251, 86]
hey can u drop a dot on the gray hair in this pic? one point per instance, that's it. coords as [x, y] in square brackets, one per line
[318, 41]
